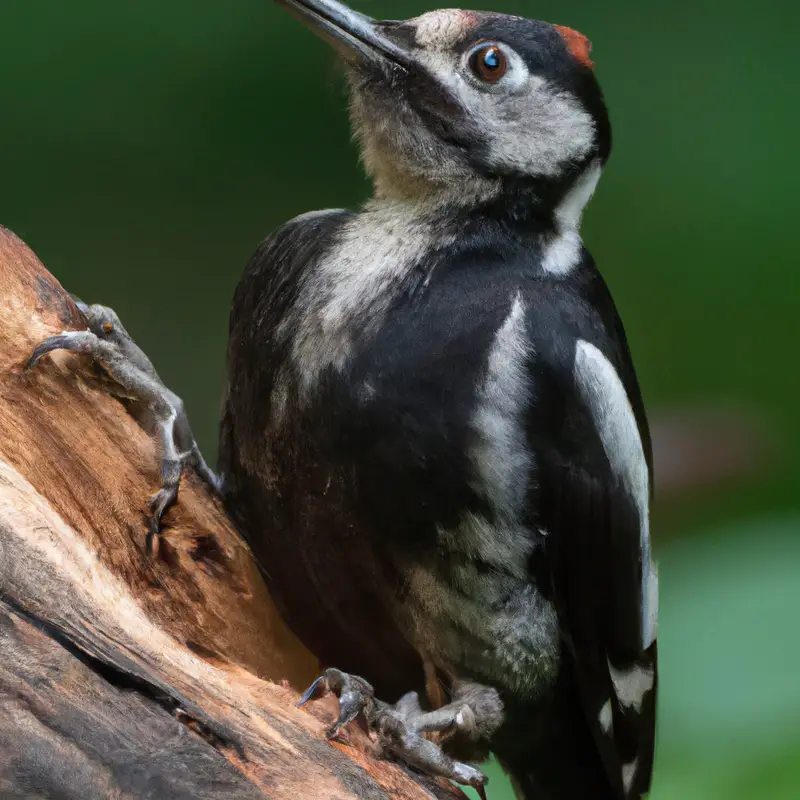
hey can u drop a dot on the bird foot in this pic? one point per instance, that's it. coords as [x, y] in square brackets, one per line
[400, 728]
[135, 378]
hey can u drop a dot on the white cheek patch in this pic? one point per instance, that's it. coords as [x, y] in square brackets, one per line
[535, 131]
[604, 394]
[528, 125]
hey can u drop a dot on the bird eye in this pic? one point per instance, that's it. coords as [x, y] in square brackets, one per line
[489, 63]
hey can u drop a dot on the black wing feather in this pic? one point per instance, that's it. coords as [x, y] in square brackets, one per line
[595, 558]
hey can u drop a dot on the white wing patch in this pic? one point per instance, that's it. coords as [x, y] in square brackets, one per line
[629, 773]
[518, 643]
[632, 684]
[501, 456]
[604, 393]
[606, 717]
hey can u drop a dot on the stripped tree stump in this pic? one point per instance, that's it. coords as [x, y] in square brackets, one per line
[124, 675]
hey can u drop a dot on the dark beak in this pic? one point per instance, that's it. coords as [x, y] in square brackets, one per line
[356, 36]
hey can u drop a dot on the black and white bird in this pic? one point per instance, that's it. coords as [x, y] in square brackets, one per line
[433, 436]
[433, 433]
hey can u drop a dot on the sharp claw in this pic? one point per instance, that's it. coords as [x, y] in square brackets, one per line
[353, 695]
[311, 692]
[82, 307]
[151, 542]
[127, 365]
[350, 706]
[158, 504]
[165, 497]
[162, 500]
[61, 342]
[397, 736]
[469, 776]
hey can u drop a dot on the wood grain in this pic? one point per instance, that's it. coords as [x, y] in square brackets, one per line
[123, 675]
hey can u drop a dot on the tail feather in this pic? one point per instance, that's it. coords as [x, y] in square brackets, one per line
[548, 750]
[528, 785]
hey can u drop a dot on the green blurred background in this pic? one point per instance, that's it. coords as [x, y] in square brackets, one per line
[147, 146]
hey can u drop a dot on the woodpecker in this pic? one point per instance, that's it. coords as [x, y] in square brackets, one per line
[433, 433]
[433, 436]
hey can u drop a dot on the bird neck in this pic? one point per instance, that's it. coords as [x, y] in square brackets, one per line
[522, 203]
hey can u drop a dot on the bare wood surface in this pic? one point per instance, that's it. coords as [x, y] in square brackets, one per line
[122, 675]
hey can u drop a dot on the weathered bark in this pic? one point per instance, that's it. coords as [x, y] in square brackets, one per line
[123, 675]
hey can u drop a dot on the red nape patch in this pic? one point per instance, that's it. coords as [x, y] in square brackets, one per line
[578, 44]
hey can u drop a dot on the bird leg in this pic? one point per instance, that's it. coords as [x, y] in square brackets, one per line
[400, 728]
[135, 378]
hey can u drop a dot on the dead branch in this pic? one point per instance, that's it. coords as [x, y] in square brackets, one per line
[123, 675]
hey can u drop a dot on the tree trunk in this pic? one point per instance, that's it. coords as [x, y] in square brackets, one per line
[124, 675]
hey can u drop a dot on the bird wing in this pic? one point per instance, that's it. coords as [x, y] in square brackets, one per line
[593, 481]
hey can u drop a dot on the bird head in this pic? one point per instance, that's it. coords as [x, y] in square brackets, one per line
[469, 105]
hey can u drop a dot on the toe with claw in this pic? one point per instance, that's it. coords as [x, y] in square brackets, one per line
[355, 696]
[400, 728]
[110, 345]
